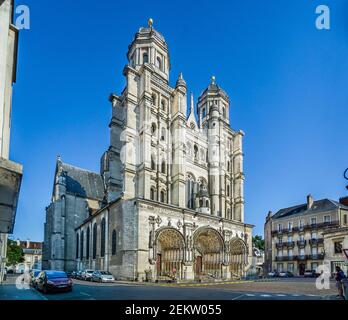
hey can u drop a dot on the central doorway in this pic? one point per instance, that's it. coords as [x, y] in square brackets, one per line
[302, 269]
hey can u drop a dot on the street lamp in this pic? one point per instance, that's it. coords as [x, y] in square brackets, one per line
[345, 175]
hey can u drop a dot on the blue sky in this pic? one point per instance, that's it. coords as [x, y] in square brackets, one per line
[286, 79]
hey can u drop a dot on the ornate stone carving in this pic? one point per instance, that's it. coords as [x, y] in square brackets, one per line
[179, 224]
[158, 220]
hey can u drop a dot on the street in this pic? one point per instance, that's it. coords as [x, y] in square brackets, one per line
[285, 289]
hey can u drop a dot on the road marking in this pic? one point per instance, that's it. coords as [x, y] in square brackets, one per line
[265, 295]
[250, 295]
[236, 298]
[281, 295]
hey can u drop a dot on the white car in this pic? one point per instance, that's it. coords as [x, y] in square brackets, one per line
[87, 275]
[102, 276]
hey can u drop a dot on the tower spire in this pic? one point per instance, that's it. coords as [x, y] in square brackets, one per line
[191, 104]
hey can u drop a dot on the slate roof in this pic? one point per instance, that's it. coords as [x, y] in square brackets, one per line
[318, 206]
[83, 183]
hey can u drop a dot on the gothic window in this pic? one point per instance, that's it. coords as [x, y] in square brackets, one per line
[159, 63]
[153, 128]
[153, 163]
[152, 193]
[196, 152]
[145, 57]
[82, 244]
[94, 241]
[113, 243]
[154, 99]
[163, 105]
[163, 196]
[87, 242]
[190, 185]
[163, 134]
[163, 167]
[201, 203]
[204, 113]
[102, 239]
[77, 246]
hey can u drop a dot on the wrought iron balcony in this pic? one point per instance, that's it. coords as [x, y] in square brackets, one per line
[283, 258]
[290, 244]
[316, 241]
[279, 245]
[300, 257]
[319, 256]
[301, 243]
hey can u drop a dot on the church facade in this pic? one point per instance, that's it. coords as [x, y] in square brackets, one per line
[169, 199]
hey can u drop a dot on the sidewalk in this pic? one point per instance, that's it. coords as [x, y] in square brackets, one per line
[9, 291]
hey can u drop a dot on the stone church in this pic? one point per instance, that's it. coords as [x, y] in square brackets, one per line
[168, 201]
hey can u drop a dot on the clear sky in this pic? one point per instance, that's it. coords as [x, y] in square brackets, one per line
[286, 79]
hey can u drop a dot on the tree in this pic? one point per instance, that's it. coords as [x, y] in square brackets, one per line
[258, 242]
[14, 253]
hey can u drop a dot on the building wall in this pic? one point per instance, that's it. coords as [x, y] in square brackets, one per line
[277, 255]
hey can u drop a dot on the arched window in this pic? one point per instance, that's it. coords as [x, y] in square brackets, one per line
[190, 185]
[77, 245]
[153, 163]
[207, 203]
[228, 190]
[228, 166]
[152, 193]
[94, 241]
[163, 196]
[159, 63]
[195, 148]
[163, 105]
[87, 242]
[163, 167]
[102, 239]
[204, 113]
[201, 203]
[153, 128]
[154, 99]
[82, 244]
[163, 134]
[145, 57]
[113, 243]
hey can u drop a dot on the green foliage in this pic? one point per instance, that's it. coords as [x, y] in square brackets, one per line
[14, 253]
[258, 242]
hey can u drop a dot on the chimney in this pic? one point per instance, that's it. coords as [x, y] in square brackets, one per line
[309, 202]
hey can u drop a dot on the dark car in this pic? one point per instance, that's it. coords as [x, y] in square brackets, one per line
[311, 274]
[33, 276]
[51, 280]
[286, 274]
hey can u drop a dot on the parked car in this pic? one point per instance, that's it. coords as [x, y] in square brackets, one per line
[310, 274]
[87, 275]
[286, 274]
[33, 276]
[273, 274]
[102, 276]
[51, 280]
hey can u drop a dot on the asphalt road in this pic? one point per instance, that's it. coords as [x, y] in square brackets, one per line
[277, 290]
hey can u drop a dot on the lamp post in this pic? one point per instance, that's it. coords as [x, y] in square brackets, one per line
[345, 175]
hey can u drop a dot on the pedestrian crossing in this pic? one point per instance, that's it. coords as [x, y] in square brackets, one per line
[279, 295]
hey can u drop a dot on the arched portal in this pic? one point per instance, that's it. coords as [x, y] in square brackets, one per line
[208, 250]
[170, 248]
[238, 257]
